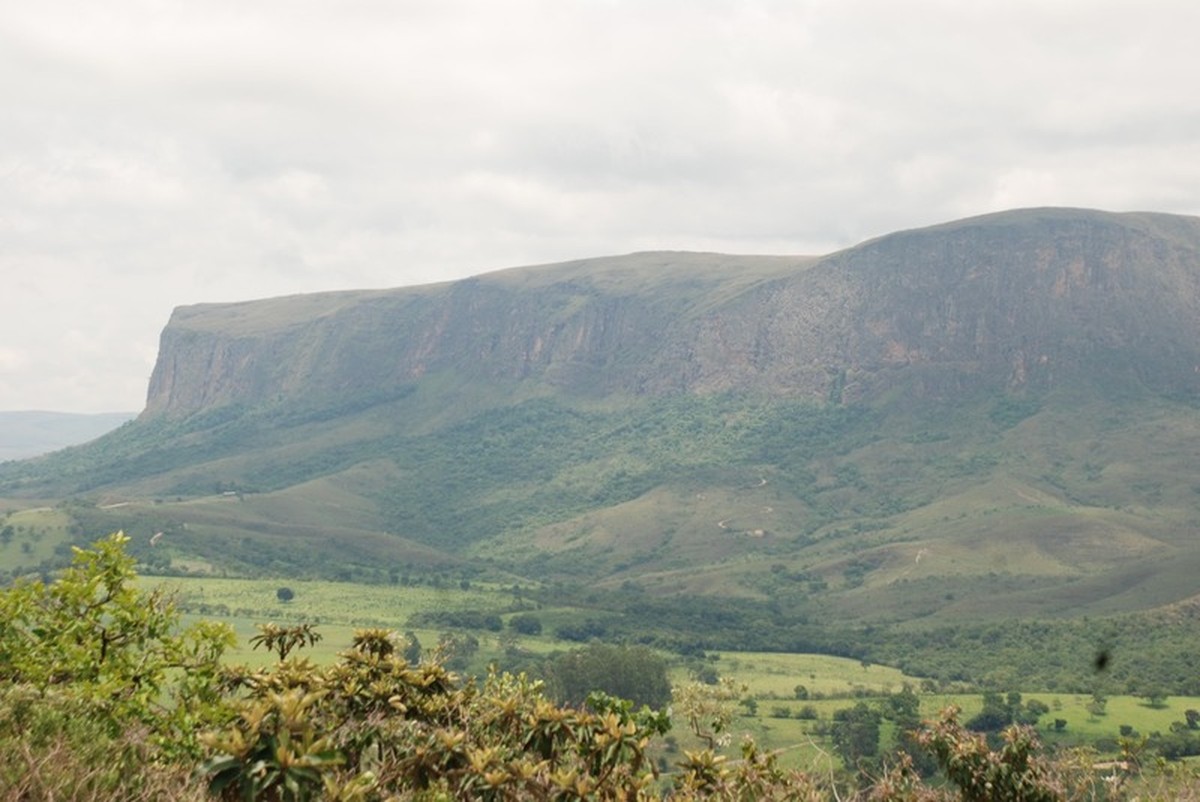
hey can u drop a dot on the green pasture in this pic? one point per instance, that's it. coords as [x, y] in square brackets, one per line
[1081, 725]
[326, 602]
[834, 683]
[775, 675]
[339, 608]
[799, 745]
[36, 533]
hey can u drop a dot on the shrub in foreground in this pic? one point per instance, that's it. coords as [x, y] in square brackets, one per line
[104, 696]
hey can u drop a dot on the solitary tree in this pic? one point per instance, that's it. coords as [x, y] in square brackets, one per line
[855, 734]
[285, 594]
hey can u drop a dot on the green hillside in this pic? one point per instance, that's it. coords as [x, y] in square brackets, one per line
[990, 421]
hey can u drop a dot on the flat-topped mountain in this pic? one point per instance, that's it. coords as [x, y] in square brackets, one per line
[1005, 301]
[991, 417]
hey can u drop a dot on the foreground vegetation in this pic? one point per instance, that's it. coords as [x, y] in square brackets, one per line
[105, 694]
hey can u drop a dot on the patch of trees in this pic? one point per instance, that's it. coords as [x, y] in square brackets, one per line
[1002, 710]
[1150, 653]
[612, 457]
[583, 631]
[1181, 740]
[525, 624]
[458, 619]
[636, 673]
[856, 734]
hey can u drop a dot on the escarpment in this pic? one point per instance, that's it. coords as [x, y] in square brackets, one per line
[1013, 300]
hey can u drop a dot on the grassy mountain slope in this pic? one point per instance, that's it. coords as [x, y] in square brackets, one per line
[990, 418]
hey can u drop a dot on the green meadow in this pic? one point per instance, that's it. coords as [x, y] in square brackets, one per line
[779, 718]
[33, 536]
[321, 601]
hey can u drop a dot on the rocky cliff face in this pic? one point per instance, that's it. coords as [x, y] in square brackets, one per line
[583, 327]
[1012, 300]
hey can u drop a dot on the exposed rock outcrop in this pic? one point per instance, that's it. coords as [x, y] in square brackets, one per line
[1015, 300]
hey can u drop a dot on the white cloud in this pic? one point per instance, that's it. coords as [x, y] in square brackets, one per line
[156, 154]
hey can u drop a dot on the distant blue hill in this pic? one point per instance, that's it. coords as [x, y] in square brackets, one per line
[31, 433]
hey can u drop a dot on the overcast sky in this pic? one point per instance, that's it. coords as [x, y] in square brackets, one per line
[157, 153]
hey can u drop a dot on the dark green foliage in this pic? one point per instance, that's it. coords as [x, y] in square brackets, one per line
[285, 594]
[1000, 711]
[855, 734]
[902, 709]
[581, 632]
[1155, 696]
[1036, 708]
[1178, 742]
[664, 441]
[525, 624]
[459, 619]
[1051, 655]
[630, 672]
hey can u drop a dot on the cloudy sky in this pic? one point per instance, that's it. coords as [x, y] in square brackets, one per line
[159, 153]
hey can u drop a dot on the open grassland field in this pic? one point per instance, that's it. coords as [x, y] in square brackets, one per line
[771, 675]
[338, 609]
[34, 536]
[323, 602]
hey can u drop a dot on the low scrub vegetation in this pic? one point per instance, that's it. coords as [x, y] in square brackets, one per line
[104, 695]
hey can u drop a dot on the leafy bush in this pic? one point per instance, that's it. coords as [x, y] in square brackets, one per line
[92, 639]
